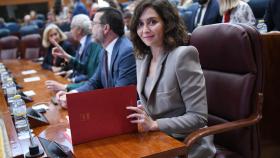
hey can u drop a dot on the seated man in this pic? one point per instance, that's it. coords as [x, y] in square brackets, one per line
[203, 12]
[85, 62]
[117, 62]
[272, 16]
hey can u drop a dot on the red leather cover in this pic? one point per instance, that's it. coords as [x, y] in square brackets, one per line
[100, 113]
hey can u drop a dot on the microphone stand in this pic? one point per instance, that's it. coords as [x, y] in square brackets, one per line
[34, 150]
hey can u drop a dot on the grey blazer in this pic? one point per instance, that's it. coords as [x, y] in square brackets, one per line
[177, 98]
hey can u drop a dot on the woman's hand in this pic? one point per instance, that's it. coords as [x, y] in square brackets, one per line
[61, 99]
[145, 122]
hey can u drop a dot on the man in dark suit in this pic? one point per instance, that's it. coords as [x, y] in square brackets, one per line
[117, 63]
[203, 12]
[272, 15]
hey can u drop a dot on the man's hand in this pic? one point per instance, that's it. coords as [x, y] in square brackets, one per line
[58, 51]
[55, 86]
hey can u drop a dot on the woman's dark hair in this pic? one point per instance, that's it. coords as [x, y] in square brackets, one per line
[175, 32]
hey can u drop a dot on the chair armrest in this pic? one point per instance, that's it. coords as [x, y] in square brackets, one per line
[220, 128]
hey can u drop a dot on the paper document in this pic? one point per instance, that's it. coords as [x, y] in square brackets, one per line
[29, 93]
[31, 79]
[40, 106]
[26, 72]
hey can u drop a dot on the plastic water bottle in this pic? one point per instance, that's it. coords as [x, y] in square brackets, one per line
[4, 76]
[10, 88]
[261, 26]
[21, 123]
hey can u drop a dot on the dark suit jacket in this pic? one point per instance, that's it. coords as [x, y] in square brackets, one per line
[122, 68]
[48, 59]
[212, 14]
[272, 15]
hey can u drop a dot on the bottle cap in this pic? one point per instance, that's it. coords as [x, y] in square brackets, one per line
[17, 96]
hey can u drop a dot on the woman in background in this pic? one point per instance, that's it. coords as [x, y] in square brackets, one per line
[237, 11]
[170, 81]
[50, 62]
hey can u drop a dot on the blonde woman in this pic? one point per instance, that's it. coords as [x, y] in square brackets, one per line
[236, 11]
[50, 62]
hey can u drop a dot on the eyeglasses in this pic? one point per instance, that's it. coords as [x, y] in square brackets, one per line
[95, 23]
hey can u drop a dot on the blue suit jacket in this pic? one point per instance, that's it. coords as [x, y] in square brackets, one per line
[212, 14]
[79, 66]
[122, 68]
[79, 8]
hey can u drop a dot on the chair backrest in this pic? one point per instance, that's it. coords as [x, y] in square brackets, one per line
[28, 29]
[231, 58]
[9, 47]
[39, 23]
[4, 32]
[13, 27]
[30, 46]
[41, 16]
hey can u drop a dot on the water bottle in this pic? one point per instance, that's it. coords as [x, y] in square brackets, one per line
[261, 26]
[19, 112]
[2, 68]
[4, 76]
[10, 88]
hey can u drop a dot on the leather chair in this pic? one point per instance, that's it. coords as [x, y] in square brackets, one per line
[9, 47]
[232, 61]
[30, 46]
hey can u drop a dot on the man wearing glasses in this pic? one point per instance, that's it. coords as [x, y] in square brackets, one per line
[117, 63]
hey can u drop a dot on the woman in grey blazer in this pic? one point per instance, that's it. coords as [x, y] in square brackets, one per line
[170, 81]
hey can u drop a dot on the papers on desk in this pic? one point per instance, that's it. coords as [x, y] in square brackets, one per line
[27, 72]
[31, 79]
[40, 106]
[29, 93]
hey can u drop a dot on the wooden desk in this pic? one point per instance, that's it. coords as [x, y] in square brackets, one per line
[271, 46]
[148, 145]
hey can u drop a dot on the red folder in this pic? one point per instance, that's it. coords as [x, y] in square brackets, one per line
[100, 113]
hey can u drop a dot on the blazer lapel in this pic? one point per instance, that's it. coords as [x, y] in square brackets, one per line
[144, 65]
[158, 73]
[86, 46]
[115, 54]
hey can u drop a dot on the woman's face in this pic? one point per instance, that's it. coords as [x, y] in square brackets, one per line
[53, 34]
[150, 28]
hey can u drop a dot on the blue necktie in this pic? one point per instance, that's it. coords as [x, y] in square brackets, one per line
[105, 66]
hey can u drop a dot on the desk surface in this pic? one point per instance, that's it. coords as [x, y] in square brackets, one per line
[152, 144]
